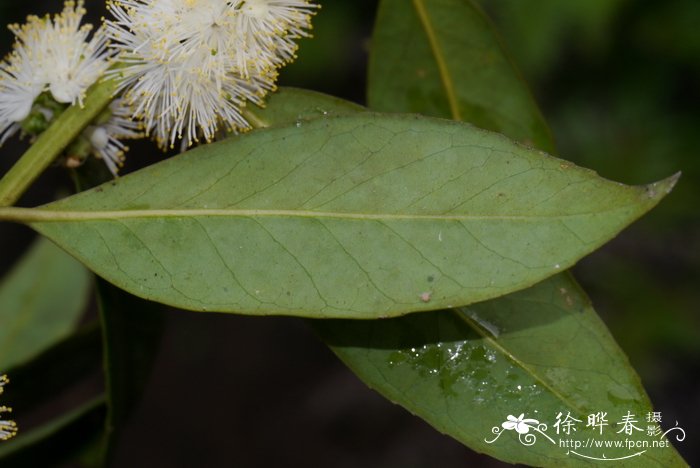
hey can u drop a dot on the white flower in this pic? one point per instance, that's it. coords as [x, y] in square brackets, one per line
[72, 62]
[65, 62]
[19, 87]
[8, 429]
[268, 27]
[49, 54]
[105, 137]
[191, 65]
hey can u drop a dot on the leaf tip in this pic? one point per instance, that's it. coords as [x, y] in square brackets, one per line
[660, 189]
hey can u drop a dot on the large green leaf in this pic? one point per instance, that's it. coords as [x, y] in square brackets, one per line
[442, 58]
[537, 352]
[358, 216]
[41, 301]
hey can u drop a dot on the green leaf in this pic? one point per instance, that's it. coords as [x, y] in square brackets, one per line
[540, 351]
[357, 216]
[442, 58]
[41, 301]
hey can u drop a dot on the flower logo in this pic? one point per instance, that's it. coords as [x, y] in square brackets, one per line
[521, 425]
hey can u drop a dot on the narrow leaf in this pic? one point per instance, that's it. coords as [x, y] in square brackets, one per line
[442, 58]
[41, 301]
[407, 213]
[537, 352]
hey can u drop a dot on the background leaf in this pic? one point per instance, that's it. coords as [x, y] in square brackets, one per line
[41, 302]
[254, 224]
[441, 57]
[537, 352]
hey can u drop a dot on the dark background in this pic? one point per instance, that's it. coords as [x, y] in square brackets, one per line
[619, 83]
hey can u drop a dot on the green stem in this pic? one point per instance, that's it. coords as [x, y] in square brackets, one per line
[53, 141]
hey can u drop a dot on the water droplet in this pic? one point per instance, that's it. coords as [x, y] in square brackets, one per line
[557, 266]
[491, 355]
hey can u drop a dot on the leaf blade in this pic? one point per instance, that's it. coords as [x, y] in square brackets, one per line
[41, 301]
[448, 368]
[442, 58]
[352, 188]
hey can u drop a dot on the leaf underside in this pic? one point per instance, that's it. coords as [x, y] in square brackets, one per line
[358, 216]
[41, 302]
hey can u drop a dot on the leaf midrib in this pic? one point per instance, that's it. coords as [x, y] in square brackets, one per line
[461, 315]
[29, 215]
[445, 75]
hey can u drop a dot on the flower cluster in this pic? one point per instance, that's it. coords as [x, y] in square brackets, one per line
[8, 429]
[186, 68]
[49, 55]
[191, 65]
